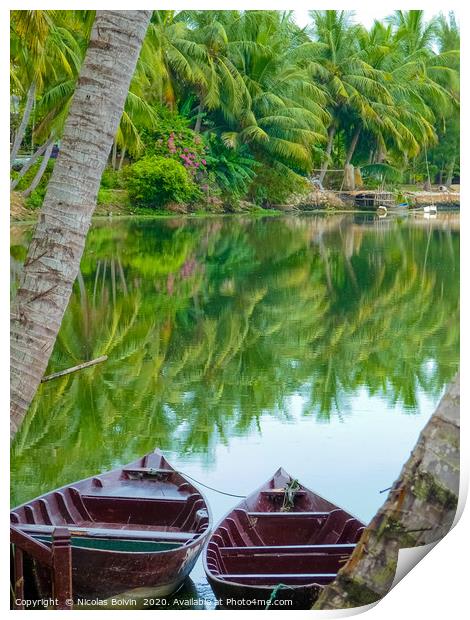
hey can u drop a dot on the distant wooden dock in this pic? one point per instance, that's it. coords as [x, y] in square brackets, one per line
[370, 200]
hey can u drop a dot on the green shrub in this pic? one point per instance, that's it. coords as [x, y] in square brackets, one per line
[35, 200]
[113, 179]
[156, 181]
[29, 176]
[275, 184]
[231, 169]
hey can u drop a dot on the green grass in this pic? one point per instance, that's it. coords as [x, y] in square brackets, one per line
[113, 197]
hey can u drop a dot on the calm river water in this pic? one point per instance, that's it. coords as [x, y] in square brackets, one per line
[238, 345]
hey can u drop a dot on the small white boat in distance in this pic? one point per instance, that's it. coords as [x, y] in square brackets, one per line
[430, 209]
[382, 210]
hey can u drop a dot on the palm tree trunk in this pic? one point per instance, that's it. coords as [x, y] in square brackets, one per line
[123, 155]
[40, 151]
[24, 123]
[380, 155]
[114, 155]
[450, 172]
[58, 241]
[419, 510]
[41, 170]
[352, 146]
[329, 146]
[200, 111]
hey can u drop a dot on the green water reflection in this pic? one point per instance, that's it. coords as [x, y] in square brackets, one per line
[213, 325]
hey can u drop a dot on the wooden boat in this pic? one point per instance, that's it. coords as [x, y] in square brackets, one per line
[282, 542]
[140, 526]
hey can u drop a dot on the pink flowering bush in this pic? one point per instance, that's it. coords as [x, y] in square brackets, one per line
[175, 140]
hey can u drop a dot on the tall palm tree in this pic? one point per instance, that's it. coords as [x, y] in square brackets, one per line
[41, 46]
[352, 83]
[218, 83]
[400, 128]
[431, 70]
[285, 121]
[54, 254]
[387, 84]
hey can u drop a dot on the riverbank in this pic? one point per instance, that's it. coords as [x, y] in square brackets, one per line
[414, 198]
[115, 202]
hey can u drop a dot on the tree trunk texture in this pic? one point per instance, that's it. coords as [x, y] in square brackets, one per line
[450, 173]
[121, 159]
[56, 248]
[380, 153]
[349, 181]
[31, 161]
[200, 111]
[41, 170]
[24, 123]
[419, 510]
[329, 147]
[352, 146]
[114, 155]
[358, 182]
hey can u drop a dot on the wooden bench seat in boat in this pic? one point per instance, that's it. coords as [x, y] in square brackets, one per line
[275, 493]
[288, 515]
[148, 473]
[291, 559]
[273, 579]
[137, 488]
[110, 532]
[285, 549]
[125, 545]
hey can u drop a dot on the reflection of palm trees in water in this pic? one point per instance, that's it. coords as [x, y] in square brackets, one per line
[254, 311]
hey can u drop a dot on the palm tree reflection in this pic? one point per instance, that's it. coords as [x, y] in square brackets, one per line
[209, 325]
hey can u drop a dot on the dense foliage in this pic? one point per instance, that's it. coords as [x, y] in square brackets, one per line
[156, 181]
[242, 97]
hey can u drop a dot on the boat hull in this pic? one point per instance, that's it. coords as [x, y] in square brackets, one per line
[237, 596]
[138, 528]
[102, 574]
[278, 548]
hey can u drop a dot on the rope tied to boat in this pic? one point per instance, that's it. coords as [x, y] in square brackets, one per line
[274, 593]
[211, 488]
[289, 495]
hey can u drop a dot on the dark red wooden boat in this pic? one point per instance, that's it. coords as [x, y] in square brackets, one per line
[139, 526]
[282, 542]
